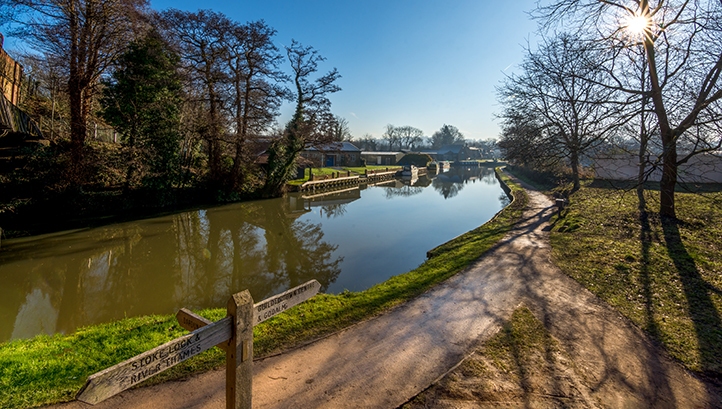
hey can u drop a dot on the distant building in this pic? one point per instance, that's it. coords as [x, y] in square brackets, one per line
[333, 154]
[702, 168]
[11, 74]
[456, 152]
[382, 158]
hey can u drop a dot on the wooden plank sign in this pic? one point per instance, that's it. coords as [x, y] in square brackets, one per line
[234, 334]
[262, 310]
[281, 302]
[126, 374]
[192, 321]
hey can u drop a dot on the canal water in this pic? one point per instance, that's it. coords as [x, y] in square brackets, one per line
[351, 240]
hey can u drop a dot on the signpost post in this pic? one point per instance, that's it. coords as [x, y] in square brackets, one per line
[234, 334]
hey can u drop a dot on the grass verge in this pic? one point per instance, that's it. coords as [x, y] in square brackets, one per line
[663, 274]
[329, 171]
[51, 369]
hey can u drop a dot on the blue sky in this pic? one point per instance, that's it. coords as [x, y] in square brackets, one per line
[422, 63]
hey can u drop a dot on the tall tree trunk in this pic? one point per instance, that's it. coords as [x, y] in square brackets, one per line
[78, 130]
[575, 169]
[669, 175]
[242, 113]
[641, 174]
[77, 122]
[669, 144]
[643, 141]
[214, 146]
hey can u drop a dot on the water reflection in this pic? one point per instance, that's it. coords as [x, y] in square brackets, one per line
[196, 259]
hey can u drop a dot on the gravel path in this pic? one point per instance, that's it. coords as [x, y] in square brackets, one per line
[385, 361]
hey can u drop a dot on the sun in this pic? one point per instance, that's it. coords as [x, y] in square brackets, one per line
[637, 25]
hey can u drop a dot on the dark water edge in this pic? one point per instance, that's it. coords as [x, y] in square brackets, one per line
[55, 212]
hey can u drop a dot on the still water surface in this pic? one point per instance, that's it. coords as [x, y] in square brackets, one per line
[196, 259]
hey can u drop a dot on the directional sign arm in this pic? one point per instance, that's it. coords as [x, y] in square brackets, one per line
[261, 310]
[278, 303]
[192, 321]
[126, 374]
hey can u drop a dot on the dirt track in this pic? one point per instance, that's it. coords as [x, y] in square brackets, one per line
[383, 362]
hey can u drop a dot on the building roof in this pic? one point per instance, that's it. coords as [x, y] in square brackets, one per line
[335, 147]
[450, 149]
[381, 153]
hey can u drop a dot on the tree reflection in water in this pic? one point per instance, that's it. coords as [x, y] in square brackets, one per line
[332, 211]
[193, 259]
[196, 259]
[401, 190]
[450, 183]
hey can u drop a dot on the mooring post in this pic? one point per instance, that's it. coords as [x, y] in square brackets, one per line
[239, 355]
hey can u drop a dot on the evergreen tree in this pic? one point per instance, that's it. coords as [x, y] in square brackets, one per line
[142, 101]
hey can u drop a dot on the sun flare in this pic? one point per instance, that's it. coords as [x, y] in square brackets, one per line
[637, 25]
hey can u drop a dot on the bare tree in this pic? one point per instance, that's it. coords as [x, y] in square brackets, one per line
[312, 111]
[339, 129]
[523, 142]
[200, 41]
[409, 136]
[367, 142]
[87, 35]
[254, 76]
[561, 85]
[682, 40]
[391, 136]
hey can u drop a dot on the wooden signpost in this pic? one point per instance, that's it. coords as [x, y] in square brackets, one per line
[234, 334]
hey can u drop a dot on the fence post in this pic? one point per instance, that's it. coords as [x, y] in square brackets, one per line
[239, 355]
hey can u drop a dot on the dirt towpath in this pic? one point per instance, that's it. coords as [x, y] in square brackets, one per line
[385, 361]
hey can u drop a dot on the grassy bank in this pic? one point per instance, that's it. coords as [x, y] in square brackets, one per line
[330, 171]
[663, 274]
[49, 369]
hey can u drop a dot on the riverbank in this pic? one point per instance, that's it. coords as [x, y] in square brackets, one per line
[663, 274]
[385, 361]
[51, 369]
[49, 212]
[27, 210]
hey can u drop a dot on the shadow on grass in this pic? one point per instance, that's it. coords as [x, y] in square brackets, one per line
[645, 238]
[701, 308]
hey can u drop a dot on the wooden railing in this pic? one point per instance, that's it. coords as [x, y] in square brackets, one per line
[13, 119]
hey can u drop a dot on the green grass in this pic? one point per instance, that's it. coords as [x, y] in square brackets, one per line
[50, 369]
[362, 169]
[316, 172]
[328, 171]
[665, 275]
